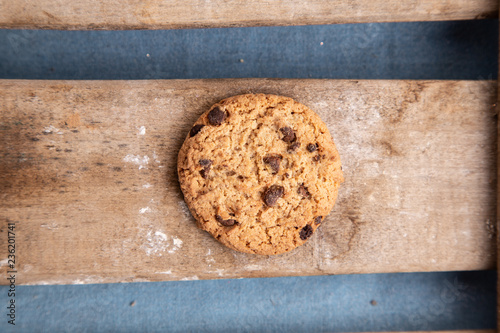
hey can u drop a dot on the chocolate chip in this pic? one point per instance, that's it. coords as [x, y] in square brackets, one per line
[195, 130]
[205, 163]
[312, 147]
[204, 172]
[293, 147]
[229, 222]
[216, 116]
[289, 134]
[304, 192]
[226, 223]
[274, 161]
[231, 173]
[272, 194]
[306, 232]
[318, 157]
[318, 219]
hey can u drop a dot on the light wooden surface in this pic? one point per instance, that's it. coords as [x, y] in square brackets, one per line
[160, 14]
[87, 172]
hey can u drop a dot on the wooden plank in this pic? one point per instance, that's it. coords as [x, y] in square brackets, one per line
[456, 331]
[87, 173]
[160, 14]
[497, 224]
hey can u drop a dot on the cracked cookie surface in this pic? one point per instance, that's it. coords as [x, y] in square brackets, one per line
[259, 173]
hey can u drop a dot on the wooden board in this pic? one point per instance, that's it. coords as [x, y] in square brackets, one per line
[160, 14]
[497, 224]
[87, 174]
[457, 331]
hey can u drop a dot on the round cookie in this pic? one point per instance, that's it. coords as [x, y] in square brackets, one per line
[259, 173]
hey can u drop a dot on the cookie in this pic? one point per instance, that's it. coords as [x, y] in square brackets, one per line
[260, 173]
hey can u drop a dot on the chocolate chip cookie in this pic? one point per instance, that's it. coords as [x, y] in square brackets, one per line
[260, 173]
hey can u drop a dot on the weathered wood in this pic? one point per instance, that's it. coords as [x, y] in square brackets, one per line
[497, 224]
[160, 14]
[87, 173]
[457, 331]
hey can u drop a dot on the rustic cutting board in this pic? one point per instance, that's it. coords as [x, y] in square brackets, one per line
[172, 14]
[87, 174]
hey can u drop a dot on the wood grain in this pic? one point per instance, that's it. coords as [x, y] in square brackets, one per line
[160, 14]
[456, 331]
[87, 173]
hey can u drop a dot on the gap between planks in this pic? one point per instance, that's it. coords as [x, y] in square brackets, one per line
[158, 14]
[87, 171]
